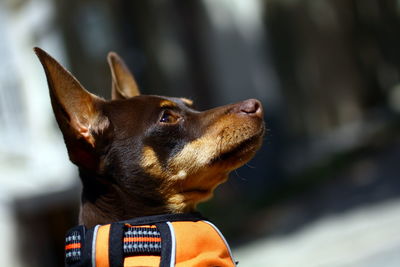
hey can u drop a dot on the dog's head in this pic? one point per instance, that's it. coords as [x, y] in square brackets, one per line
[156, 151]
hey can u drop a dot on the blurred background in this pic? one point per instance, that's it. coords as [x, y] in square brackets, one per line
[324, 190]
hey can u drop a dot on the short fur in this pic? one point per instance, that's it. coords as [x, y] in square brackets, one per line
[143, 155]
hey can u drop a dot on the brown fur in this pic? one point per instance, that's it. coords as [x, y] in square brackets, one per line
[143, 155]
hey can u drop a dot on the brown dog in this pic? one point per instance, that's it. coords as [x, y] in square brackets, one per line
[142, 155]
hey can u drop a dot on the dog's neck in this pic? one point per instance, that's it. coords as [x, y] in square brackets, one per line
[103, 201]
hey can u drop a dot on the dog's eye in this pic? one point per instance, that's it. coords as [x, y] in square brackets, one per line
[169, 117]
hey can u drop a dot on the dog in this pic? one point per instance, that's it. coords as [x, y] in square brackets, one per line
[140, 156]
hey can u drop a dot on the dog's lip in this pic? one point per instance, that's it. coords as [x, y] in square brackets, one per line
[240, 147]
[195, 191]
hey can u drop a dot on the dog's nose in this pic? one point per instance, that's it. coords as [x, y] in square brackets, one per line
[251, 107]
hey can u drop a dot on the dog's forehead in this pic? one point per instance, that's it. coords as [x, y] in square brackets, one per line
[157, 101]
[165, 101]
[145, 108]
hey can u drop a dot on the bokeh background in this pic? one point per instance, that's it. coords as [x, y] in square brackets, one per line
[324, 190]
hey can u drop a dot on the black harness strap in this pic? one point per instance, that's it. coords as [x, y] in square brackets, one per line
[83, 251]
[166, 245]
[194, 217]
[116, 252]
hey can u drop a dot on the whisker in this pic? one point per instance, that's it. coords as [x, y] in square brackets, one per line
[240, 177]
[250, 166]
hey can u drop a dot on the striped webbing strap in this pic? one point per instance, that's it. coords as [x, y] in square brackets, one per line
[142, 240]
[137, 240]
[149, 235]
[73, 247]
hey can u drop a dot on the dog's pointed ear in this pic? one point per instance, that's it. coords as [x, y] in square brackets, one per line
[78, 112]
[124, 85]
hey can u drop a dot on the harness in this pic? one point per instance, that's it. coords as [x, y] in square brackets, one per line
[162, 240]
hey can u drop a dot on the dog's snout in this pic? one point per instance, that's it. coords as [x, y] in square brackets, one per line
[251, 107]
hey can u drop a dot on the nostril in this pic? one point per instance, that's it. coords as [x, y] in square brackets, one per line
[250, 106]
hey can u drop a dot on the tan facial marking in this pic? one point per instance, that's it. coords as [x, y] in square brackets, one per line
[187, 101]
[197, 153]
[167, 103]
[221, 137]
[189, 177]
[150, 162]
[152, 166]
[182, 174]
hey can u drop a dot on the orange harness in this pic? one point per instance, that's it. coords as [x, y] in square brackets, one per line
[162, 240]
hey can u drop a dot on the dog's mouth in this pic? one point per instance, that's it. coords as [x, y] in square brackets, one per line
[231, 159]
[196, 191]
[199, 186]
[243, 151]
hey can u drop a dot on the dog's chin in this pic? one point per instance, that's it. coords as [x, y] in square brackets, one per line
[240, 153]
[199, 187]
[221, 166]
